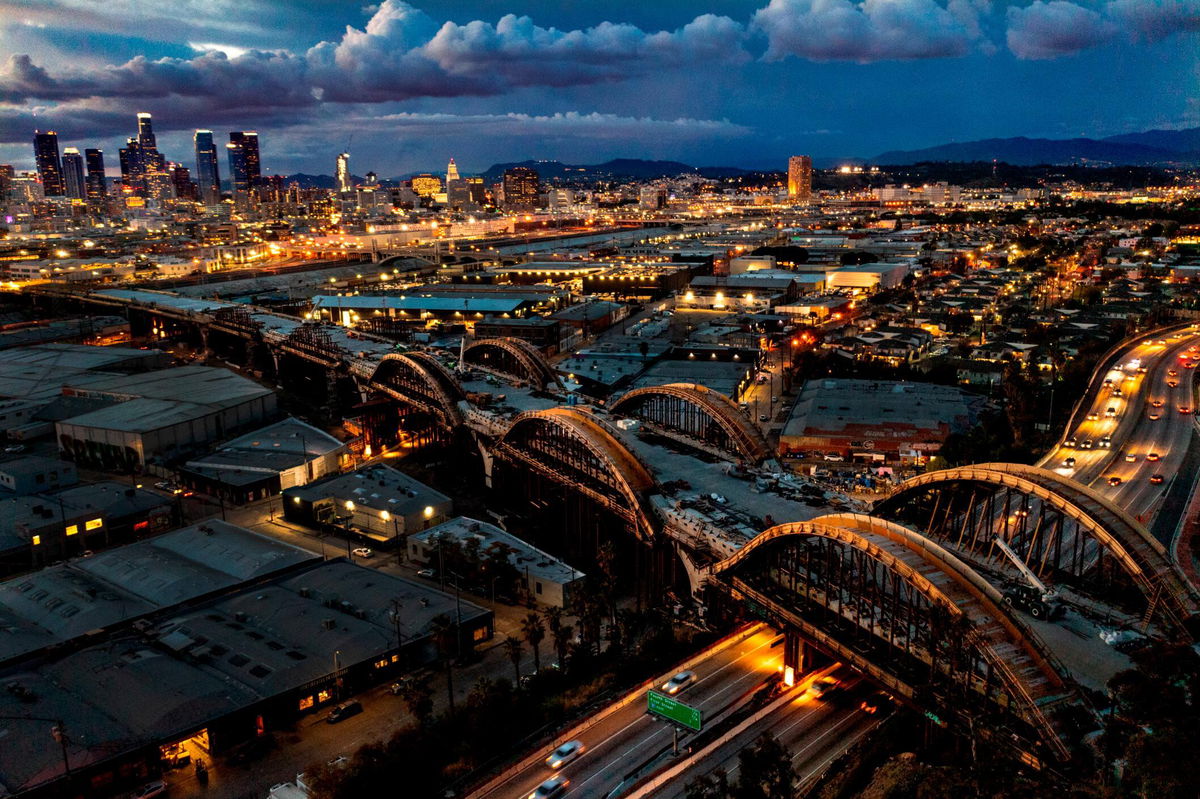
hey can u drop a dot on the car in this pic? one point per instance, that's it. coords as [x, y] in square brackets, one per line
[1093, 416]
[1185, 409]
[150, 790]
[428, 574]
[1116, 392]
[1131, 457]
[1190, 365]
[1154, 417]
[1156, 479]
[1069, 463]
[1114, 481]
[363, 552]
[1111, 413]
[680, 681]
[163, 485]
[1106, 442]
[1153, 456]
[1086, 444]
[1070, 442]
[13, 449]
[1172, 373]
[822, 687]
[762, 417]
[834, 457]
[1141, 370]
[1157, 403]
[565, 754]
[555, 786]
[344, 711]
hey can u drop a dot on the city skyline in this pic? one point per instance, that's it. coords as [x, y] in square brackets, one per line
[730, 83]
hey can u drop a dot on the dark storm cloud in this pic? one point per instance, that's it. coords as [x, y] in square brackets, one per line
[1058, 28]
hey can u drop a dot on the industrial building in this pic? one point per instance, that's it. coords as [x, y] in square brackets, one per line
[377, 503]
[867, 277]
[214, 637]
[545, 334]
[876, 420]
[161, 415]
[266, 461]
[37, 529]
[29, 474]
[547, 579]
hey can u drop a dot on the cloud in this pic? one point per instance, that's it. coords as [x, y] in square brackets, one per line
[401, 54]
[1059, 28]
[572, 123]
[870, 30]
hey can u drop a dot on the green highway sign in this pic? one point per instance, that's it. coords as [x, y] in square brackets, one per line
[670, 709]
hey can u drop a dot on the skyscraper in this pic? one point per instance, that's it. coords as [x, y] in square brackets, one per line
[72, 170]
[146, 133]
[97, 183]
[342, 175]
[800, 177]
[244, 166]
[49, 166]
[451, 173]
[181, 182]
[521, 188]
[6, 177]
[208, 175]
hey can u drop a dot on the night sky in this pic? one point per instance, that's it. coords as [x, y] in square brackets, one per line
[406, 86]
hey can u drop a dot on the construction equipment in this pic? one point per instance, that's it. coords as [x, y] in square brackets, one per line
[1036, 599]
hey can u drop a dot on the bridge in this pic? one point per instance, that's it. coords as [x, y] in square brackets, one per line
[512, 358]
[699, 416]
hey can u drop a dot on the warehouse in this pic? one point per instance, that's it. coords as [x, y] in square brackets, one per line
[877, 420]
[158, 416]
[377, 503]
[867, 277]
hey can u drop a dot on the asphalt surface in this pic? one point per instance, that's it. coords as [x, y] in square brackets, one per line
[629, 737]
[1150, 431]
[816, 731]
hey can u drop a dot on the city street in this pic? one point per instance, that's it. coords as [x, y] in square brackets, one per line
[630, 737]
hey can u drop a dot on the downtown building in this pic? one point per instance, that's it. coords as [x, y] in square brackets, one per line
[800, 178]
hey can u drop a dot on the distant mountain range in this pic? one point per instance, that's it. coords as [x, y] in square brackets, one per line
[634, 168]
[1149, 148]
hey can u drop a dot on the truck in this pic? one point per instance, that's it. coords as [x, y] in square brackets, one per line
[1034, 597]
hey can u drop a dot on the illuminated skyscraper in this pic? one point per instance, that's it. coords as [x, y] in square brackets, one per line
[521, 188]
[72, 166]
[344, 182]
[244, 166]
[49, 165]
[97, 183]
[451, 173]
[800, 177]
[146, 133]
[208, 173]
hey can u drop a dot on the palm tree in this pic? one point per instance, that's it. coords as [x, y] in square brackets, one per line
[534, 632]
[514, 649]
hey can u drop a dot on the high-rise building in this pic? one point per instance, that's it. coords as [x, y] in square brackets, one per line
[146, 133]
[426, 185]
[208, 174]
[244, 166]
[800, 177]
[97, 183]
[477, 191]
[6, 178]
[49, 165]
[342, 175]
[72, 170]
[181, 182]
[451, 173]
[131, 166]
[521, 188]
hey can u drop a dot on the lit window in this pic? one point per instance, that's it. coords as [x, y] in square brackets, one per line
[323, 696]
[480, 633]
[306, 702]
[93, 524]
[37, 540]
[73, 529]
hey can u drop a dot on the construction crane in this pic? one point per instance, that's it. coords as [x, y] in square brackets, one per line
[1036, 598]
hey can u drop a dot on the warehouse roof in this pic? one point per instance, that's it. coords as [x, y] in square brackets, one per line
[527, 558]
[378, 486]
[409, 302]
[881, 409]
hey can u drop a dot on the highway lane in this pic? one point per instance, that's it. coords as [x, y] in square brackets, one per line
[629, 736]
[814, 730]
[1148, 420]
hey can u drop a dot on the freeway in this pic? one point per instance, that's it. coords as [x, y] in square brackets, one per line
[814, 730]
[1138, 426]
[629, 737]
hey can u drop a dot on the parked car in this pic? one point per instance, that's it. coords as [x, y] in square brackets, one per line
[12, 449]
[428, 574]
[565, 754]
[680, 681]
[363, 552]
[344, 711]
[151, 790]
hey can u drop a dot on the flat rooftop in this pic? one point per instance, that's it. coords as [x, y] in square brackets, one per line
[722, 376]
[380, 487]
[59, 603]
[881, 409]
[525, 557]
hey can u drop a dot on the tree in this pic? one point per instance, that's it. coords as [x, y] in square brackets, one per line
[709, 786]
[514, 649]
[440, 629]
[765, 771]
[417, 696]
[534, 632]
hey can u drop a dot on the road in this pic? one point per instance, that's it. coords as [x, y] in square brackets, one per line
[629, 737]
[815, 732]
[1149, 433]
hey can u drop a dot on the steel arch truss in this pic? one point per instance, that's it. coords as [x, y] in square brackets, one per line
[511, 357]
[882, 599]
[575, 449]
[697, 413]
[1064, 531]
[418, 379]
